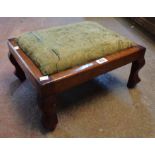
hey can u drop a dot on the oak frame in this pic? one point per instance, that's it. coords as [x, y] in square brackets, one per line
[59, 82]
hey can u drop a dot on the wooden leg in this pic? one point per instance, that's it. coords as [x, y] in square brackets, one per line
[134, 78]
[18, 71]
[49, 115]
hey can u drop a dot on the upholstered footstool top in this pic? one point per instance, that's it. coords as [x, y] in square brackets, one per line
[59, 48]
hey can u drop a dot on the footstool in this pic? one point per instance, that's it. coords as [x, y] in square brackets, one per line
[58, 58]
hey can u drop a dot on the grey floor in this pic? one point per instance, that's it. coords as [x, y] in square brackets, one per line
[102, 107]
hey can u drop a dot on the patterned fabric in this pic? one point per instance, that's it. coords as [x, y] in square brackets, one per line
[59, 48]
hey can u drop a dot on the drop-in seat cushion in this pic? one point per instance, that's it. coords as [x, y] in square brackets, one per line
[59, 48]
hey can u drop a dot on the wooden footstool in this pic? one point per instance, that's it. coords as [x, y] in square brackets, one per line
[27, 58]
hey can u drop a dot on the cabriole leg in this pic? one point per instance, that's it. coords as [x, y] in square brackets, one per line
[18, 71]
[134, 78]
[49, 113]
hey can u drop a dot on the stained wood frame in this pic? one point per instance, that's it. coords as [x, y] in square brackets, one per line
[59, 82]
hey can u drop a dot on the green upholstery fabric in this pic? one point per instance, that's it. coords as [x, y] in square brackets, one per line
[59, 48]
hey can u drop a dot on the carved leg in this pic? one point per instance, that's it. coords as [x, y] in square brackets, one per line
[18, 71]
[49, 115]
[134, 78]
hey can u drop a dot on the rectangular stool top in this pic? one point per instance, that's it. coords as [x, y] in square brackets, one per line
[59, 48]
